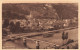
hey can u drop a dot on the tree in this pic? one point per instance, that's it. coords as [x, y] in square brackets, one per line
[6, 23]
[12, 27]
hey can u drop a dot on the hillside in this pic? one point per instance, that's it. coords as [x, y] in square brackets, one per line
[56, 11]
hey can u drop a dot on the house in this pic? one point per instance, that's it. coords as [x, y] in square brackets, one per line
[66, 22]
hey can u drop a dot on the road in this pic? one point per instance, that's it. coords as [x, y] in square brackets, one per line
[55, 39]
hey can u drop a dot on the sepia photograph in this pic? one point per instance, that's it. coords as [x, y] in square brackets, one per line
[40, 26]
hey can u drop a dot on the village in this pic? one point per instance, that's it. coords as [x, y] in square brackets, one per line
[42, 24]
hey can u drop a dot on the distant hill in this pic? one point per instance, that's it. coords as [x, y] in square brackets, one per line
[56, 11]
[67, 11]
